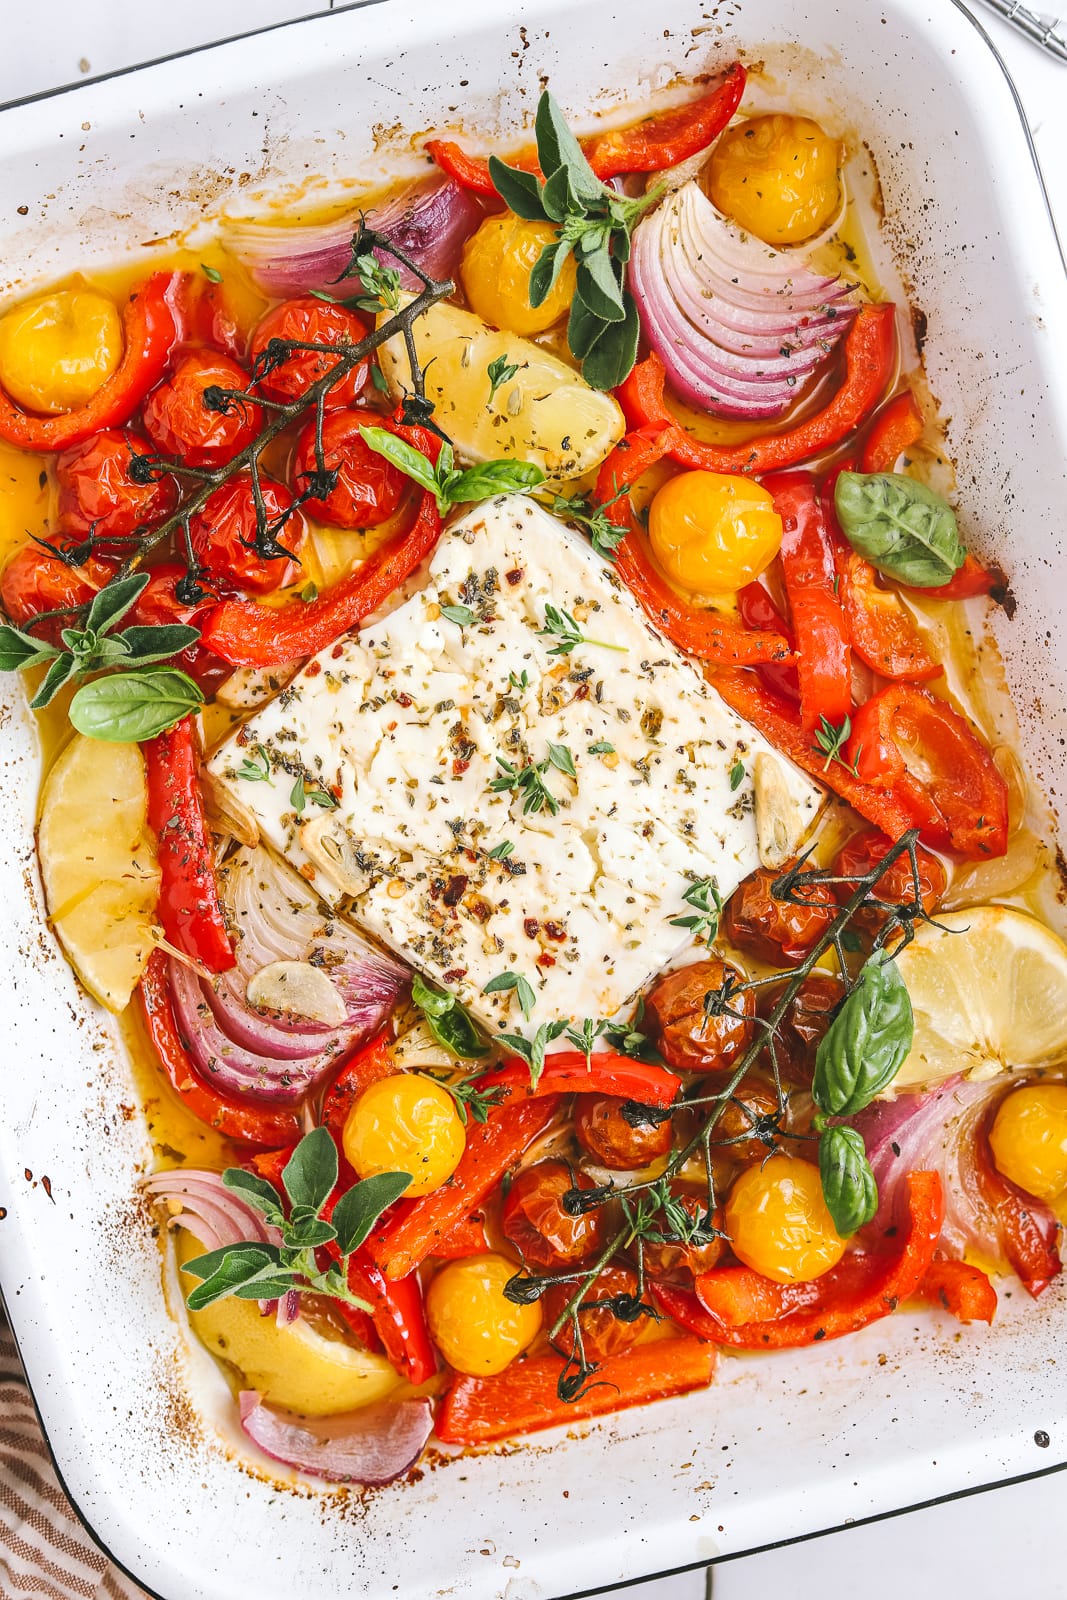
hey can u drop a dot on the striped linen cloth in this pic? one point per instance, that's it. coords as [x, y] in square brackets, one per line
[45, 1552]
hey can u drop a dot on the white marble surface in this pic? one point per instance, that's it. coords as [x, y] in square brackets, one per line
[1007, 1542]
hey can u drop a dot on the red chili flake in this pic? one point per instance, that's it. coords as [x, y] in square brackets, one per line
[453, 974]
[404, 700]
[313, 669]
[514, 576]
[557, 931]
[459, 767]
[391, 727]
[455, 889]
[337, 652]
[531, 927]
[545, 960]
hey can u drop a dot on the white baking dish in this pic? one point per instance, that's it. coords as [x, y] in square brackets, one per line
[781, 1446]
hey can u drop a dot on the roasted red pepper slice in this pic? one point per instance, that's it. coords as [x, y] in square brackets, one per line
[904, 740]
[668, 137]
[367, 1066]
[972, 579]
[523, 1397]
[398, 1313]
[467, 1238]
[859, 1290]
[870, 361]
[960, 1289]
[897, 425]
[493, 1147]
[883, 635]
[569, 1072]
[188, 894]
[150, 329]
[703, 633]
[824, 665]
[472, 172]
[892, 810]
[1026, 1227]
[248, 1124]
[757, 610]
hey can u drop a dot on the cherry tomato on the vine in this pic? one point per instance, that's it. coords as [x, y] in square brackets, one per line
[180, 424]
[309, 321]
[223, 535]
[604, 1333]
[368, 490]
[666, 1253]
[611, 1139]
[776, 930]
[34, 581]
[159, 605]
[534, 1220]
[861, 854]
[97, 493]
[806, 1019]
[680, 1017]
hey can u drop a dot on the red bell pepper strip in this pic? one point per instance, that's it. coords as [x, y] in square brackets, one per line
[1026, 1227]
[188, 894]
[247, 1124]
[493, 1147]
[398, 1313]
[897, 425]
[758, 610]
[858, 1291]
[270, 1164]
[960, 1289]
[523, 1398]
[824, 664]
[668, 137]
[369, 1064]
[150, 326]
[971, 580]
[892, 811]
[883, 634]
[707, 634]
[955, 773]
[659, 141]
[467, 1238]
[870, 362]
[569, 1072]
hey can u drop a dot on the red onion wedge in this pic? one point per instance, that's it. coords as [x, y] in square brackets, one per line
[370, 1446]
[210, 1212]
[430, 224]
[738, 325]
[276, 1056]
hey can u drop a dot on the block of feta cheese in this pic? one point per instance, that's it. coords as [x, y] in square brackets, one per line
[513, 772]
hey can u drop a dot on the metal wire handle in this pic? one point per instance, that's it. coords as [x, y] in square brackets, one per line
[1048, 32]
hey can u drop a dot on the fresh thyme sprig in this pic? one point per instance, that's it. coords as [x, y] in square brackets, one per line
[529, 780]
[562, 627]
[830, 740]
[706, 901]
[604, 535]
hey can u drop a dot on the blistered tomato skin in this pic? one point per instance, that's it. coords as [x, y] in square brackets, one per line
[224, 530]
[368, 489]
[57, 350]
[535, 1221]
[495, 274]
[776, 176]
[778, 1223]
[180, 424]
[603, 1333]
[673, 1258]
[97, 492]
[475, 1326]
[713, 532]
[804, 1024]
[1029, 1139]
[34, 581]
[860, 854]
[614, 1142]
[405, 1123]
[687, 1036]
[773, 930]
[309, 321]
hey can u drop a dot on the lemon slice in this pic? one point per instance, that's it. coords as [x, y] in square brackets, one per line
[98, 865]
[989, 995]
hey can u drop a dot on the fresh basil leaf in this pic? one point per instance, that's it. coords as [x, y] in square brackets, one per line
[431, 1002]
[311, 1171]
[848, 1184]
[584, 328]
[520, 191]
[19, 650]
[130, 706]
[61, 671]
[557, 147]
[404, 456]
[157, 643]
[611, 358]
[358, 1210]
[866, 1044]
[256, 1192]
[455, 1031]
[599, 287]
[491, 478]
[902, 527]
[114, 600]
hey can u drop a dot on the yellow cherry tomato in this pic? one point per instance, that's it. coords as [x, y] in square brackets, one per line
[778, 1222]
[1029, 1139]
[713, 532]
[405, 1123]
[777, 177]
[495, 273]
[56, 351]
[475, 1327]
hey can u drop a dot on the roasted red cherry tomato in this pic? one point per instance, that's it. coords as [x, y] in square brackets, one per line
[612, 1140]
[223, 532]
[604, 1332]
[689, 1038]
[159, 605]
[541, 1230]
[776, 930]
[752, 1105]
[669, 1255]
[368, 490]
[309, 321]
[97, 493]
[806, 1019]
[860, 854]
[179, 423]
[34, 581]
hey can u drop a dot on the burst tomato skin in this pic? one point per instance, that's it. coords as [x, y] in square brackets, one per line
[806, 1020]
[538, 1226]
[309, 321]
[96, 492]
[688, 1039]
[603, 1333]
[862, 852]
[776, 930]
[604, 1132]
[752, 1100]
[673, 1258]
[178, 422]
[34, 581]
[159, 605]
[368, 490]
[223, 531]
